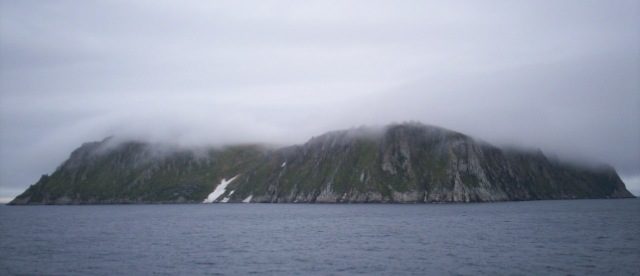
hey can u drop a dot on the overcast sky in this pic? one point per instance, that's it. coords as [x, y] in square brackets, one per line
[563, 76]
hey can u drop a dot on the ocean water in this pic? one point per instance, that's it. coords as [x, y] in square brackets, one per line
[531, 238]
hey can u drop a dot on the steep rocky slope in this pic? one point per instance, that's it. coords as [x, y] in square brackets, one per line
[399, 163]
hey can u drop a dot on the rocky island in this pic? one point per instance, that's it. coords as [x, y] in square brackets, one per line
[399, 163]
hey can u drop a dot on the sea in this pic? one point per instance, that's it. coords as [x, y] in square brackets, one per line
[564, 237]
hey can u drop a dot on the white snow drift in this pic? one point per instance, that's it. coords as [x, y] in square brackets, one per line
[220, 190]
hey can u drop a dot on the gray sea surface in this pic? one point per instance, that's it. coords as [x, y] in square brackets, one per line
[529, 238]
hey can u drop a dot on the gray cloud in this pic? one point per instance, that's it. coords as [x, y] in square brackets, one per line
[562, 76]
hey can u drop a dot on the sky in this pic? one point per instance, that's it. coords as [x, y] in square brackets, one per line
[562, 76]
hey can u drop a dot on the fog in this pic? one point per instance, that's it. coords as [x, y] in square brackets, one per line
[562, 76]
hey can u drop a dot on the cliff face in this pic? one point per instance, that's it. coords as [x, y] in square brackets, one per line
[399, 163]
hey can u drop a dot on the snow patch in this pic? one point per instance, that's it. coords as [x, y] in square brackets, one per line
[226, 199]
[283, 164]
[248, 199]
[219, 190]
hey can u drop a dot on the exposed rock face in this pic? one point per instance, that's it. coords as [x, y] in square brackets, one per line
[400, 163]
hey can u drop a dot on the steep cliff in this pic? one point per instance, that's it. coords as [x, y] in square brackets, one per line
[398, 163]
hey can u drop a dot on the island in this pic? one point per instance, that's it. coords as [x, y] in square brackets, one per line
[397, 163]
